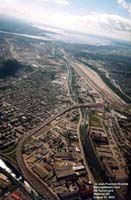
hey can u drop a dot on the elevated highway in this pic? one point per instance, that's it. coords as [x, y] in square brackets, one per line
[33, 179]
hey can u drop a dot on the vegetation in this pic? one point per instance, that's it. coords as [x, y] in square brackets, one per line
[11, 67]
[10, 152]
[95, 121]
[76, 118]
[109, 83]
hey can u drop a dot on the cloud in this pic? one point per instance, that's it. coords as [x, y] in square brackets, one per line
[98, 24]
[114, 23]
[62, 2]
[109, 25]
[92, 23]
[124, 4]
[59, 2]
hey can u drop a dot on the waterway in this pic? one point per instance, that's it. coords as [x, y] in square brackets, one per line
[90, 155]
[71, 83]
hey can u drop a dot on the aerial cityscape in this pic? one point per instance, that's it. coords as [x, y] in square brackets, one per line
[65, 100]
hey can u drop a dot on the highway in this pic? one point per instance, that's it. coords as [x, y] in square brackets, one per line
[12, 173]
[95, 81]
[33, 179]
[39, 185]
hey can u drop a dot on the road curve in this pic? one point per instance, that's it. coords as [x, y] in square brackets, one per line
[33, 179]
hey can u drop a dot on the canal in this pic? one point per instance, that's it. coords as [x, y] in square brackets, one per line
[90, 155]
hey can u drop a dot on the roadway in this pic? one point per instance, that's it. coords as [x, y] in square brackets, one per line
[95, 81]
[33, 179]
[39, 185]
[14, 180]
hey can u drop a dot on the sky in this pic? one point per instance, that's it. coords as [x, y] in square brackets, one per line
[111, 18]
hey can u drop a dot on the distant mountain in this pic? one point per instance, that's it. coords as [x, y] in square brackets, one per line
[17, 26]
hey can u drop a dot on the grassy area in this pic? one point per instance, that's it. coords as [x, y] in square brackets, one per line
[95, 121]
[109, 83]
[9, 149]
[76, 118]
[10, 152]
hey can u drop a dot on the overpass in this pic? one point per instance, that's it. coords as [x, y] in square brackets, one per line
[39, 185]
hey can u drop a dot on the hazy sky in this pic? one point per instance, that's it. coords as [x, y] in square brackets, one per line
[102, 17]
